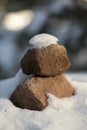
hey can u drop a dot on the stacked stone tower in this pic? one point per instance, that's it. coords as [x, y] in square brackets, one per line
[47, 61]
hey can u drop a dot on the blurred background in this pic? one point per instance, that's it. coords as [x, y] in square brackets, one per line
[22, 19]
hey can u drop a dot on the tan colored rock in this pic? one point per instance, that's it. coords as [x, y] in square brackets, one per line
[32, 93]
[47, 61]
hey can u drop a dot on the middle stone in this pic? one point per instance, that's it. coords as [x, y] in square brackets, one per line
[47, 61]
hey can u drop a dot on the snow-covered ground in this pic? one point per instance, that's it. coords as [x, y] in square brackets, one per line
[61, 114]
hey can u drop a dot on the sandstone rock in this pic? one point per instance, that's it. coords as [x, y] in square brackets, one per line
[31, 94]
[48, 61]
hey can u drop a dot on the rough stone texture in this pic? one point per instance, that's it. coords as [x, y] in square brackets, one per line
[49, 61]
[31, 94]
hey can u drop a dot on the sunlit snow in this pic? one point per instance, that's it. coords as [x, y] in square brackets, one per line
[42, 40]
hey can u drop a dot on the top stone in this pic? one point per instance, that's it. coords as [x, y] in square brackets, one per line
[42, 40]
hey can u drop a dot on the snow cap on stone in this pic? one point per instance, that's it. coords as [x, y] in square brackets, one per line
[42, 40]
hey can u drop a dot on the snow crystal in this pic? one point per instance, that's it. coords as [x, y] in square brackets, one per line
[42, 40]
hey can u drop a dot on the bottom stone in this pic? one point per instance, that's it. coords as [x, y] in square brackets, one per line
[31, 94]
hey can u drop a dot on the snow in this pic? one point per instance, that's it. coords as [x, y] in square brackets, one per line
[9, 85]
[68, 113]
[80, 76]
[42, 40]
